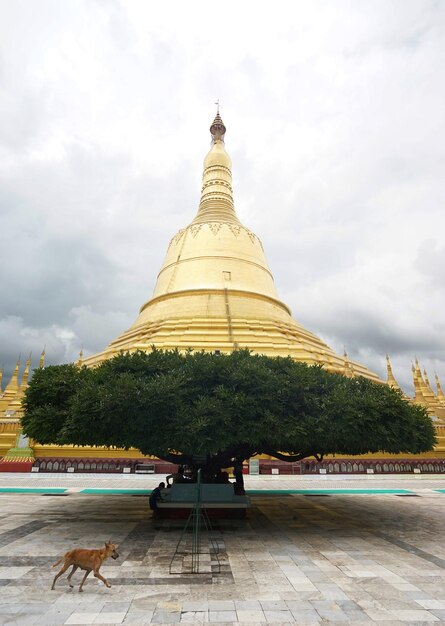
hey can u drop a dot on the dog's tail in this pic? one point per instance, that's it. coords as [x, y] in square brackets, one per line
[59, 561]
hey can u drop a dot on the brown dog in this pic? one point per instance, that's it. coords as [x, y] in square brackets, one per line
[89, 560]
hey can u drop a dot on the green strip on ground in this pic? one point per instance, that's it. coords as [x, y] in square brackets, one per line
[440, 490]
[259, 492]
[265, 492]
[31, 490]
[250, 492]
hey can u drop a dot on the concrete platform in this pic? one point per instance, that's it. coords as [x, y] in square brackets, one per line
[313, 552]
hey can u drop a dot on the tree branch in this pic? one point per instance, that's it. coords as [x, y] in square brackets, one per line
[224, 457]
[289, 458]
[177, 459]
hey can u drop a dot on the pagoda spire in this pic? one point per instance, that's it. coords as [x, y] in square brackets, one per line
[427, 382]
[15, 375]
[419, 376]
[25, 377]
[80, 359]
[348, 370]
[42, 359]
[14, 408]
[440, 395]
[217, 129]
[423, 394]
[418, 392]
[391, 381]
[216, 204]
[1, 378]
[428, 394]
[12, 388]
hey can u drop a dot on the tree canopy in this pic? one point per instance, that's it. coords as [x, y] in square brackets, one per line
[184, 407]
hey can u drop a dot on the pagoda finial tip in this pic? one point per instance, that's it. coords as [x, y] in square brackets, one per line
[217, 129]
[42, 357]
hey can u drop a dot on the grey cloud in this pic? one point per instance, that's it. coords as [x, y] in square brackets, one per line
[365, 330]
[19, 339]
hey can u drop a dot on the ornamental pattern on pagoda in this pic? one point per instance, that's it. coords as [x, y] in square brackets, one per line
[214, 228]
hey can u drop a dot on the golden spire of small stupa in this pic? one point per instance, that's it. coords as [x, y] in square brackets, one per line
[42, 358]
[427, 382]
[419, 375]
[1, 378]
[391, 381]
[80, 359]
[14, 408]
[423, 392]
[14, 382]
[25, 377]
[348, 370]
[428, 393]
[12, 388]
[440, 394]
[418, 384]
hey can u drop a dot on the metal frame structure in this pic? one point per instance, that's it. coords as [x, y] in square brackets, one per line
[189, 549]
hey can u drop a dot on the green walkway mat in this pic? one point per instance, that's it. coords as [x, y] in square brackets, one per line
[250, 492]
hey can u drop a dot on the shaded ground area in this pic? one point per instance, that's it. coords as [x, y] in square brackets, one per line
[307, 559]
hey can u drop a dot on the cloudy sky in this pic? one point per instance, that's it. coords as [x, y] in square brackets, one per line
[335, 118]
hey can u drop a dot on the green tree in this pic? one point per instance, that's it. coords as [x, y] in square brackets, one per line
[184, 407]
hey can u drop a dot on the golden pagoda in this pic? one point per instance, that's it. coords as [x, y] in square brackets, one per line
[12, 389]
[440, 394]
[391, 381]
[14, 448]
[214, 292]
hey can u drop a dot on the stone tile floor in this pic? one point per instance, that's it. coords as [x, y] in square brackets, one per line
[297, 559]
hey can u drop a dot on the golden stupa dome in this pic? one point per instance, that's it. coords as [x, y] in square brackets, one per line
[215, 290]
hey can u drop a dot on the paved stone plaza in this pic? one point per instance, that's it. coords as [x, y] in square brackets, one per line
[305, 558]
